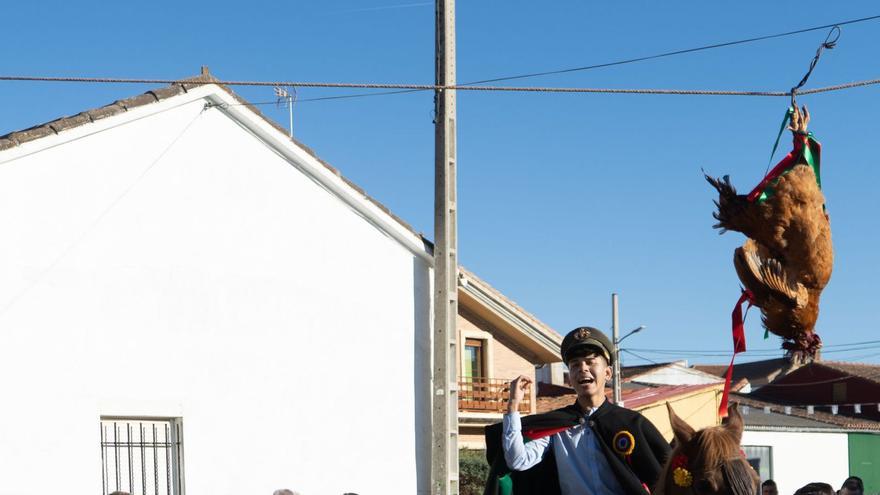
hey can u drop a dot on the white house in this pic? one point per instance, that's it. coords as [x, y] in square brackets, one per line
[184, 289]
[794, 445]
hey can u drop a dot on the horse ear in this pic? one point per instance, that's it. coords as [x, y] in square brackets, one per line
[734, 422]
[682, 431]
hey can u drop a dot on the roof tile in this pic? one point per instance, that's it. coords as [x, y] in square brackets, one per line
[167, 92]
[31, 134]
[869, 372]
[106, 111]
[69, 122]
[839, 420]
[137, 101]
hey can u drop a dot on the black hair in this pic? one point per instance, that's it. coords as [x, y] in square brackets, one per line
[768, 483]
[583, 351]
[815, 488]
[854, 483]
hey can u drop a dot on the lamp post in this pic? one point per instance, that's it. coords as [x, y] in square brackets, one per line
[616, 341]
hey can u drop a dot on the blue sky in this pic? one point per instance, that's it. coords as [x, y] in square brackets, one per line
[563, 198]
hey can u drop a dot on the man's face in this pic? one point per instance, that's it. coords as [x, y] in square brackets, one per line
[588, 373]
[768, 490]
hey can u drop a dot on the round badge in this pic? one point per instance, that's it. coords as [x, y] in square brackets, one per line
[624, 443]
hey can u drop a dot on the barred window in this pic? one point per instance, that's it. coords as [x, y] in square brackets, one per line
[761, 458]
[142, 456]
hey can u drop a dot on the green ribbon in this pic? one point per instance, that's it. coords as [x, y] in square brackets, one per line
[785, 120]
[505, 485]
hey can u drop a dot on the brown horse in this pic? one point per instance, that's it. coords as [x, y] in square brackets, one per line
[708, 461]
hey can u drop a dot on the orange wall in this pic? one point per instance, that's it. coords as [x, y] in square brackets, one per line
[699, 410]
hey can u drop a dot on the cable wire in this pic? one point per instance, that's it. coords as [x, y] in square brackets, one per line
[619, 62]
[872, 377]
[528, 89]
[679, 52]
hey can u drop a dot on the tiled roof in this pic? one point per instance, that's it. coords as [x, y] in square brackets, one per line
[17, 138]
[778, 417]
[634, 396]
[551, 390]
[631, 372]
[516, 307]
[870, 372]
[758, 373]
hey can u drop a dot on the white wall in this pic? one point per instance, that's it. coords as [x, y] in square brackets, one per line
[177, 266]
[800, 458]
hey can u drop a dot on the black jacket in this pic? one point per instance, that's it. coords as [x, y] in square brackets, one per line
[641, 467]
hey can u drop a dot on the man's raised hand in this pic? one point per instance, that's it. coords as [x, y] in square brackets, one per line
[518, 388]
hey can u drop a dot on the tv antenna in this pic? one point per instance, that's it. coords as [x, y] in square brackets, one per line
[286, 98]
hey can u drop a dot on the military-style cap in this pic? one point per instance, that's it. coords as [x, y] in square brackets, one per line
[586, 337]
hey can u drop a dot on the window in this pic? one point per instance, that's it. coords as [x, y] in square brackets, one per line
[473, 358]
[761, 458]
[142, 456]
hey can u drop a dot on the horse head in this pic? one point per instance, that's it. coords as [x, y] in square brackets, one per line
[708, 461]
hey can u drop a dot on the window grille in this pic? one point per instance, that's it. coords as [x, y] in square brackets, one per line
[142, 456]
[761, 458]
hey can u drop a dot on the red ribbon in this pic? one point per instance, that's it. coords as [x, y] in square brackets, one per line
[739, 345]
[541, 433]
[780, 168]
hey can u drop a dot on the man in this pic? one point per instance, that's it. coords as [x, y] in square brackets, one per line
[591, 447]
[769, 488]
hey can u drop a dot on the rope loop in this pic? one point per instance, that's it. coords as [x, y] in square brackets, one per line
[829, 43]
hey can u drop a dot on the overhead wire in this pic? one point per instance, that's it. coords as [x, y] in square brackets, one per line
[850, 345]
[475, 85]
[618, 62]
[679, 52]
[685, 369]
[874, 376]
[528, 89]
[756, 353]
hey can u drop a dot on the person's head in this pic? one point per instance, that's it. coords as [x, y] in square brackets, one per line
[587, 353]
[815, 489]
[769, 488]
[852, 486]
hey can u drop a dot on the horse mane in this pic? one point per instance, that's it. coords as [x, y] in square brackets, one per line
[715, 446]
[738, 476]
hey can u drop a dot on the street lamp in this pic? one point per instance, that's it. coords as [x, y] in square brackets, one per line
[635, 330]
[616, 342]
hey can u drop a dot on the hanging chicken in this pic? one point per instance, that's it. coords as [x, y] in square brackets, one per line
[787, 259]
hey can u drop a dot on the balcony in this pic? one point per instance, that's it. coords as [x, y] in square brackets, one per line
[489, 395]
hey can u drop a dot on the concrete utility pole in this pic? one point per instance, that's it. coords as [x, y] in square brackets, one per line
[615, 339]
[444, 425]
